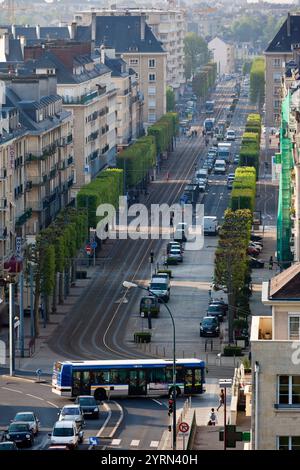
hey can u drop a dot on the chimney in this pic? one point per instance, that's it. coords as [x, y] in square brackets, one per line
[102, 54]
[23, 44]
[288, 25]
[4, 46]
[38, 31]
[93, 32]
[13, 31]
[73, 30]
[143, 26]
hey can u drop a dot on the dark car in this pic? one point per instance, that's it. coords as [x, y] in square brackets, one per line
[209, 327]
[215, 311]
[88, 405]
[8, 445]
[256, 238]
[20, 433]
[221, 303]
[256, 263]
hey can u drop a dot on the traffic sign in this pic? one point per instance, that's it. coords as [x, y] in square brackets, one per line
[94, 245]
[94, 441]
[184, 427]
[88, 249]
[18, 246]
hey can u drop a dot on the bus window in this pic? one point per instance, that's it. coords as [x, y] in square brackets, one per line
[100, 377]
[157, 375]
[118, 376]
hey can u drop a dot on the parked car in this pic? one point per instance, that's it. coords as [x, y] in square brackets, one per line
[215, 311]
[30, 418]
[252, 251]
[209, 326]
[66, 433]
[256, 238]
[174, 245]
[8, 445]
[256, 245]
[236, 160]
[72, 413]
[256, 263]
[20, 433]
[88, 405]
[176, 253]
[221, 303]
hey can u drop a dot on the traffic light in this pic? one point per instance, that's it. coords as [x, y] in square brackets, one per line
[171, 407]
[152, 257]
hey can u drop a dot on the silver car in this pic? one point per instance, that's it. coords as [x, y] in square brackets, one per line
[72, 413]
[30, 418]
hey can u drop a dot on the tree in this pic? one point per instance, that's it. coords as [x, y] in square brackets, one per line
[170, 99]
[195, 54]
[257, 82]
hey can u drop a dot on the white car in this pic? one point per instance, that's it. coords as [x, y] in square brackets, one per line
[72, 413]
[66, 433]
[30, 418]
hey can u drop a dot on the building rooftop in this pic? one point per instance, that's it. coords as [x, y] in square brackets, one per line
[286, 285]
[288, 34]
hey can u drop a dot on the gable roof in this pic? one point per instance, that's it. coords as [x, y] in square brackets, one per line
[282, 42]
[122, 33]
[286, 285]
[54, 32]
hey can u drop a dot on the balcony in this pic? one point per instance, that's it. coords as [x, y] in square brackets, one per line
[70, 181]
[3, 173]
[53, 172]
[70, 138]
[3, 204]
[70, 160]
[23, 218]
[3, 233]
[38, 180]
[261, 329]
[84, 99]
[94, 155]
[28, 185]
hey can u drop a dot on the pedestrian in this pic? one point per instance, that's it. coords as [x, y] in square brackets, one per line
[209, 294]
[212, 418]
[271, 262]
[221, 399]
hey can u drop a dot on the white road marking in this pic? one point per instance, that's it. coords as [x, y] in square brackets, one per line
[11, 390]
[157, 401]
[34, 396]
[154, 443]
[135, 443]
[52, 404]
[115, 442]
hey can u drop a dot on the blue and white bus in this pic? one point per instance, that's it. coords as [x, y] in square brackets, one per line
[209, 107]
[122, 378]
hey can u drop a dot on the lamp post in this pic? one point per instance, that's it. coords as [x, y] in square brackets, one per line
[11, 327]
[129, 285]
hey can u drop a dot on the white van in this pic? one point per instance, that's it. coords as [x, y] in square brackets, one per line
[220, 167]
[210, 225]
[230, 135]
[202, 174]
[66, 433]
[160, 288]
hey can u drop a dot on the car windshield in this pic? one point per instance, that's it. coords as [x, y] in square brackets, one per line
[158, 285]
[209, 322]
[214, 308]
[24, 417]
[89, 401]
[61, 432]
[14, 427]
[70, 411]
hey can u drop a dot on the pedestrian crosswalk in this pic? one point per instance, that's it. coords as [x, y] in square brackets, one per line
[132, 443]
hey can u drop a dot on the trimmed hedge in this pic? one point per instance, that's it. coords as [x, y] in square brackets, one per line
[244, 189]
[232, 351]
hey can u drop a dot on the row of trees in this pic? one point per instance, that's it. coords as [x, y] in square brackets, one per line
[205, 80]
[196, 53]
[250, 148]
[105, 189]
[53, 258]
[244, 189]
[257, 82]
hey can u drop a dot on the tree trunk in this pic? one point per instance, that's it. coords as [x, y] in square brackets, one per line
[54, 295]
[73, 272]
[60, 288]
[36, 306]
[231, 308]
[46, 308]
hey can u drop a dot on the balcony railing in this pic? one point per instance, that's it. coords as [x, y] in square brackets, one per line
[38, 180]
[3, 204]
[24, 217]
[84, 99]
[3, 233]
[70, 181]
[70, 160]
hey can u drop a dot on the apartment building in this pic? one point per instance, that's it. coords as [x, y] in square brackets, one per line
[277, 54]
[87, 91]
[133, 41]
[275, 347]
[223, 55]
[41, 175]
[168, 26]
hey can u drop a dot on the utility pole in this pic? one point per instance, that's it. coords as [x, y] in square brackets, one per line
[11, 327]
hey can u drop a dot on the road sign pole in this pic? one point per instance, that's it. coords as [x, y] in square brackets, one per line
[225, 437]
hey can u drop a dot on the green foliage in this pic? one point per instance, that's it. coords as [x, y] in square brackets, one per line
[246, 67]
[204, 80]
[195, 54]
[163, 131]
[170, 99]
[47, 268]
[105, 189]
[257, 81]
[250, 148]
[232, 351]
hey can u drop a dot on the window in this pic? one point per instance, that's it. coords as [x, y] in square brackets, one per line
[288, 443]
[276, 62]
[151, 90]
[152, 77]
[276, 104]
[152, 103]
[294, 327]
[151, 117]
[137, 75]
[289, 389]
[133, 61]
[152, 63]
[277, 77]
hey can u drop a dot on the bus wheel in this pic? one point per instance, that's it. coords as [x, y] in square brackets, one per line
[178, 392]
[100, 394]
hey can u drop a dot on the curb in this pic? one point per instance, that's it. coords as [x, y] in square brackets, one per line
[24, 379]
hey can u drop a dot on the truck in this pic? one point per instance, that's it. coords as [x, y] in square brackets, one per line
[220, 167]
[209, 126]
[224, 151]
[209, 107]
[221, 129]
[210, 225]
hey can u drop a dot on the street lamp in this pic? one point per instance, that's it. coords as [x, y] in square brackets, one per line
[129, 285]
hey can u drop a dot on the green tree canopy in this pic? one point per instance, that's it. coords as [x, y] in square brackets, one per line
[170, 99]
[195, 52]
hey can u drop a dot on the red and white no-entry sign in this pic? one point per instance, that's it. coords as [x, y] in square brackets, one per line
[184, 427]
[88, 249]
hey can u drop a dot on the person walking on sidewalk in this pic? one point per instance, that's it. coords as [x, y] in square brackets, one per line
[221, 399]
[271, 262]
[213, 420]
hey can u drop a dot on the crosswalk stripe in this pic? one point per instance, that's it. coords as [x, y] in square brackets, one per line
[154, 443]
[115, 442]
[135, 443]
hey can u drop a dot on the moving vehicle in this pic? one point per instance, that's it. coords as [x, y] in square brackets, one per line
[224, 151]
[209, 326]
[215, 311]
[20, 433]
[181, 232]
[210, 225]
[169, 246]
[160, 288]
[66, 433]
[209, 107]
[30, 418]
[149, 302]
[236, 160]
[256, 263]
[202, 185]
[209, 126]
[220, 167]
[176, 253]
[127, 377]
[72, 413]
[88, 405]
[220, 134]
[230, 180]
[201, 174]
[8, 445]
[230, 135]
[192, 192]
